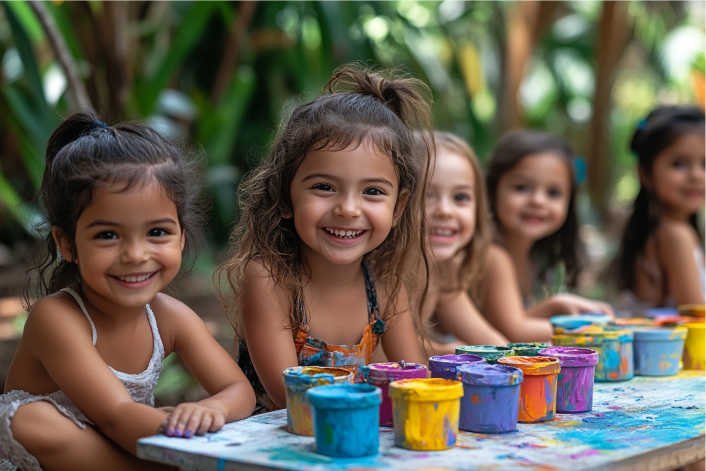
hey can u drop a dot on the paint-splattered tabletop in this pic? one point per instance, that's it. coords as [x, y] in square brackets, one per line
[641, 422]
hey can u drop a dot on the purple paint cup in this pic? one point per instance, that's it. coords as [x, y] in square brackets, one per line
[446, 366]
[575, 383]
[382, 374]
[491, 396]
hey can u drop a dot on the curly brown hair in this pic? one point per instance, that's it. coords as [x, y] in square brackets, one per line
[358, 104]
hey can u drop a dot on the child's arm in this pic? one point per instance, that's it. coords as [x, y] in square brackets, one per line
[503, 302]
[231, 395]
[676, 249]
[567, 303]
[58, 335]
[400, 340]
[266, 328]
[457, 315]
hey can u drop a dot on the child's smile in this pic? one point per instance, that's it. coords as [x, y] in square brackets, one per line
[343, 202]
[450, 205]
[533, 196]
[128, 245]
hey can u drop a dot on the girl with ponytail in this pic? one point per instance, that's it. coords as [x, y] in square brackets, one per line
[661, 258]
[330, 233]
[121, 208]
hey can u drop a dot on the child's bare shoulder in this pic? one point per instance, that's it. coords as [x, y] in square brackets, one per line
[55, 315]
[497, 256]
[675, 232]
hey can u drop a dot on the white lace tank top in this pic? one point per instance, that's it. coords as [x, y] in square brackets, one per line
[139, 385]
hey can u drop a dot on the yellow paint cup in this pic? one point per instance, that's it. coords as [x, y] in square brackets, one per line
[694, 346]
[426, 412]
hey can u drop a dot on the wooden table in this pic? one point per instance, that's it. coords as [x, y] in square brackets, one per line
[641, 424]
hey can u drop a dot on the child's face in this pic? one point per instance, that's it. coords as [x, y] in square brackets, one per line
[678, 175]
[343, 202]
[532, 198]
[128, 245]
[450, 205]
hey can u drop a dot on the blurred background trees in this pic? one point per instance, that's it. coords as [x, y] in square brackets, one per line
[219, 76]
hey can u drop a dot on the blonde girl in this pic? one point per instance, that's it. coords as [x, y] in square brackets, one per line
[458, 237]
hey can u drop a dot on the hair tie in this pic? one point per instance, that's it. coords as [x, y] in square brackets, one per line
[98, 124]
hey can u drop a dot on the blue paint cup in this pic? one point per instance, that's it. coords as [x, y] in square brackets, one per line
[658, 351]
[446, 366]
[346, 419]
[491, 397]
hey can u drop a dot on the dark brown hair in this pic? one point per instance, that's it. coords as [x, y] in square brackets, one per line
[84, 153]
[659, 130]
[562, 245]
[357, 105]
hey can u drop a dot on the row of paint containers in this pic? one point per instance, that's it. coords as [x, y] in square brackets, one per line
[485, 389]
[465, 391]
[659, 345]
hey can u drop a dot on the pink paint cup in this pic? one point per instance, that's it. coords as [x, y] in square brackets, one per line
[382, 374]
[575, 383]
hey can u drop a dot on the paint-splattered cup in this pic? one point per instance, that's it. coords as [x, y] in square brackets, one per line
[299, 379]
[575, 383]
[446, 366]
[382, 374]
[658, 351]
[345, 419]
[615, 351]
[538, 390]
[527, 349]
[426, 413]
[564, 323]
[490, 353]
[491, 397]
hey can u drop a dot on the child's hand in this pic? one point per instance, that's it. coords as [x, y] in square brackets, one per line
[191, 418]
[571, 304]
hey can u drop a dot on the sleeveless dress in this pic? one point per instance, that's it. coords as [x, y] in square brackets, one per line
[140, 386]
[315, 352]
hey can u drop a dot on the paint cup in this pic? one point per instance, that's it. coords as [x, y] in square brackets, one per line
[527, 349]
[574, 390]
[345, 419]
[614, 347]
[564, 324]
[658, 351]
[632, 322]
[297, 380]
[446, 366]
[694, 346]
[426, 413]
[656, 312]
[381, 374]
[491, 397]
[490, 353]
[538, 389]
[692, 310]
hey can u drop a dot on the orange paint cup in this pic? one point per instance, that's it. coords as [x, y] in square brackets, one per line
[538, 390]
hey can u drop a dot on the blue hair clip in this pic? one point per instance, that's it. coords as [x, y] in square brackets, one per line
[98, 124]
[642, 124]
[579, 163]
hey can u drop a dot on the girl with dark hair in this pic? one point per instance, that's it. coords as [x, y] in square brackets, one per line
[661, 258]
[329, 236]
[532, 192]
[120, 204]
